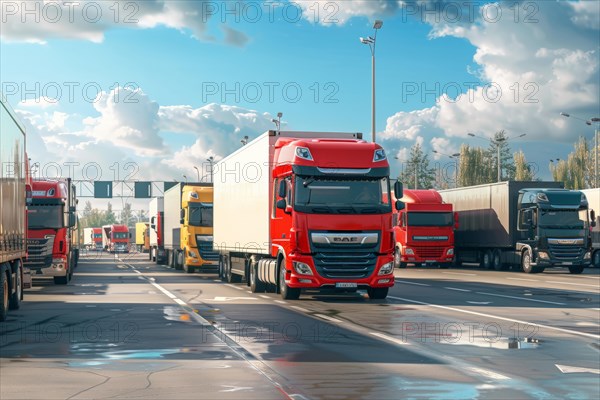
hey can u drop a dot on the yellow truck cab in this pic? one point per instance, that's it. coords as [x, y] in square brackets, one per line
[188, 226]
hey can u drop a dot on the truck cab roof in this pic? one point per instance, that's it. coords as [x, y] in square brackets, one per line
[552, 198]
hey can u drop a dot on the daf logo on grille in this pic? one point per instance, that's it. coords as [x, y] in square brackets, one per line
[345, 239]
[563, 241]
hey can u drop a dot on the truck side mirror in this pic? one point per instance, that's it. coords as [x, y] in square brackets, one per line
[528, 218]
[399, 205]
[181, 216]
[129, 235]
[152, 223]
[398, 190]
[592, 218]
[282, 189]
[282, 205]
[72, 220]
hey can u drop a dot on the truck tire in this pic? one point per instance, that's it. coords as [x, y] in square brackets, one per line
[256, 285]
[377, 293]
[485, 259]
[596, 259]
[4, 293]
[397, 260]
[576, 269]
[497, 260]
[15, 298]
[230, 277]
[61, 280]
[526, 264]
[287, 293]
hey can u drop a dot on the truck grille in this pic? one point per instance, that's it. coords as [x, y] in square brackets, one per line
[565, 252]
[205, 248]
[429, 252]
[336, 258]
[39, 253]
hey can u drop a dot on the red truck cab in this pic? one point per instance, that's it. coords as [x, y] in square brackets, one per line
[97, 238]
[51, 220]
[424, 230]
[119, 239]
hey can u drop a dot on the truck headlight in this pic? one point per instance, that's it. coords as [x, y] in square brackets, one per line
[587, 255]
[192, 254]
[302, 268]
[386, 269]
[408, 251]
[543, 254]
[450, 251]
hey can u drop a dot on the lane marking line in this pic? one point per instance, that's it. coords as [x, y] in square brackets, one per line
[264, 296]
[567, 369]
[521, 279]
[328, 318]
[458, 273]
[412, 283]
[457, 289]
[389, 338]
[575, 284]
[280, 301]
[297, 308]
[522, 298]
[571, 332]
[488, 373]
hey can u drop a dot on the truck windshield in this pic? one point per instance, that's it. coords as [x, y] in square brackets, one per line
[201, 214]
[567, 219]
[120, 235]
[97, 236]
[45, 217]
[430, 219]
[342, 196]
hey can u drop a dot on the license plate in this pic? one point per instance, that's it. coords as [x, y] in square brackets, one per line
[567, 263]
[430, 261]
[346, 285]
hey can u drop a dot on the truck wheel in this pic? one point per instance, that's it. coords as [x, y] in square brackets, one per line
[256, 285]
[15, 298]
[526, 264]
[377, 293]
[497, 260]
[398, 259]
[230, 276]
[485, 260]
[179, 261]
[596, 259]
[576, 269]
[60, 280]
[4, 293]
[287, 293]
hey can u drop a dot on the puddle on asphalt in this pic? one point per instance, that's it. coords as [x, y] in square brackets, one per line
[497, 343]
[174, 313]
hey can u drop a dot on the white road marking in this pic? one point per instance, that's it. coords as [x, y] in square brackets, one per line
[264, 296]
[488, 374]
[575, 284]
[225, 298]
[457, 289]
[571, 332]
[458, 273]
[567, 369]
[522, 279]
[216, 280]
[390, 338]
[412, 283]
[280, 301]
[180, 302]
[522, 298]
[328, 318]
[304, 310]
[480, 302]
[231, 286]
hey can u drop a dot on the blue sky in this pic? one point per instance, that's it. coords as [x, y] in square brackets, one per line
[549, 50]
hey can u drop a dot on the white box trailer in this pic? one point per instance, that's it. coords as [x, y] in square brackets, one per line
[593, 197]
[88, 238]
[157, 249]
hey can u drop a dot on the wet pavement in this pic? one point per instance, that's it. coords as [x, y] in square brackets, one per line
[126, 328]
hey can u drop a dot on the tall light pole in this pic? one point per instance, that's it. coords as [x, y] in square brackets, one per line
[185, 177]
[498, 143]
[371, 41]
[211, 161]
[596, 133]
[197, 173]
[453, 156]
[277, 123]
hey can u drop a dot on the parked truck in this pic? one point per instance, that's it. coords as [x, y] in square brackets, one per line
[306, 210]
[140, 231]
[15, 189]
[534, 225]
[115, 238]
[52, 220]
[157, 249]
[188, 226]
[593, 196]
[92, 238]
[424, 230]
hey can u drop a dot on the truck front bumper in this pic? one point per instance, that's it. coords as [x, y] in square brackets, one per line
[307, 281]
[547, 260]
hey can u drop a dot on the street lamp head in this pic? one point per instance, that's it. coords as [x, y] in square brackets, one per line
[378, 24]
[524, 134]
[435, 151]
[588, 122]
[279, 114]
[596, 119]
[565, 114]
[471, 134]
[456, 155]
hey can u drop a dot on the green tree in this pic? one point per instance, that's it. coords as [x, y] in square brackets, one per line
[474, 168]
[418, 174]
[594, 151]
[523, 171]
[109, 215]
[573, 171]
[126, 214]
[87, 210]
[506, 158]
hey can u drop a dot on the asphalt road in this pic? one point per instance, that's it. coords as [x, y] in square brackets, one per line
[125, 328]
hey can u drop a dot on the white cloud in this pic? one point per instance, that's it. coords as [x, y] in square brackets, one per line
[328, 12]
[41, 102]
[38, 21]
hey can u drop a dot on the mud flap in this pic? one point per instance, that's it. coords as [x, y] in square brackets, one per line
[27, 281]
